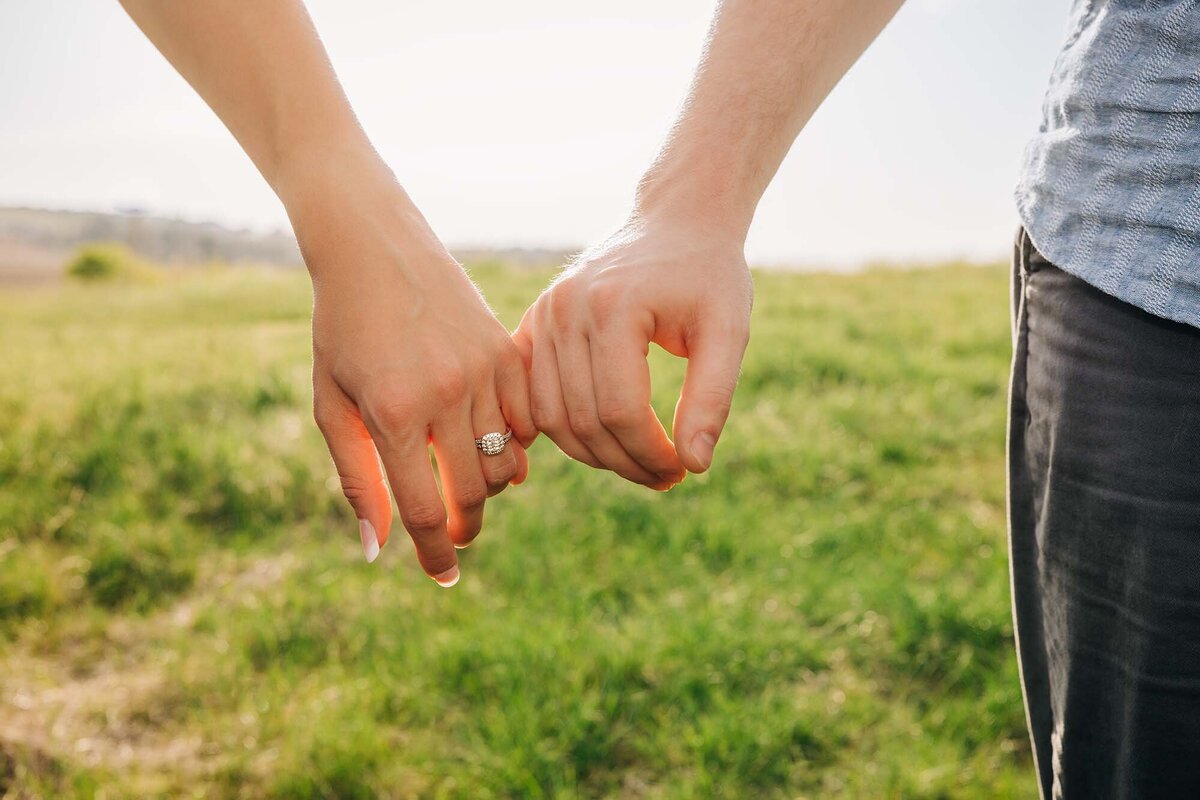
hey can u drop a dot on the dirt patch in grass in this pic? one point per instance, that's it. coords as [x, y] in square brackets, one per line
[123, 713]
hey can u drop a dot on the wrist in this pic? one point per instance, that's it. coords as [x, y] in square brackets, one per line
[670, 239]
[312, 182]
[702, 196]
[348, 200]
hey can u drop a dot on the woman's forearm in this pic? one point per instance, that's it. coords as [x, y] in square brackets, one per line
[405, 351]
[767, 65]
[263, 70]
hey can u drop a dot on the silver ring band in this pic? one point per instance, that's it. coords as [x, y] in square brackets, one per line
[492, 444]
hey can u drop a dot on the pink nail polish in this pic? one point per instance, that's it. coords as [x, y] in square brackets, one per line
[448, 578]
[370, 541]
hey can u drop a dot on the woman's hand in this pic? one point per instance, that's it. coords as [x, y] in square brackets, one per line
[682, 286]
[405, 354]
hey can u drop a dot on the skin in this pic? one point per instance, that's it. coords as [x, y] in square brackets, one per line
[406, 354]
[675, 273]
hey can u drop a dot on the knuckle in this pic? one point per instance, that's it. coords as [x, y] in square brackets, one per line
[392, 403]
[719, 400]
[605, 298]
[545, 418]
[564, 287]
[525, 431]
[562, 307]
[502, 469]
[498, 477]
[562, 324]
[585, 425]
[395, 414]
[325, 417]
[422, 520]
[618, 416]
[536, 313]
[449, 385]
[357, 489]
[471, 499]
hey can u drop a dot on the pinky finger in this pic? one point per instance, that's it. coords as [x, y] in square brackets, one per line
[522, 464]
[512, 389]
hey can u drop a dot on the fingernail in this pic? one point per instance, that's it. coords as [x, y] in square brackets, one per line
[666, 480]
[370, 542]
[458, 546]
[447, 578]
[703, 444]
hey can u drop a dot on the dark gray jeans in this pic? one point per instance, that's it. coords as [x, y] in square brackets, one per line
[1104, 536]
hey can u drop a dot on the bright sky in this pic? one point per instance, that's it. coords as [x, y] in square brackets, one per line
[528, 122]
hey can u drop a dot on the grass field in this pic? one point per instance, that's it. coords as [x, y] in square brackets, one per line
[185, 611]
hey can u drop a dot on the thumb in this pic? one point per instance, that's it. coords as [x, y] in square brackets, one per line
[358, 467]
[714, 362]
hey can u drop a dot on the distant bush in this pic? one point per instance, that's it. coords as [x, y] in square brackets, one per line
[109, 262]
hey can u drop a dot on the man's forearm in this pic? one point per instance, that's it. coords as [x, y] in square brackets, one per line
[767, 66]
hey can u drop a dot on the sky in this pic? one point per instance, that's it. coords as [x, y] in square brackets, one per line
[528, 123]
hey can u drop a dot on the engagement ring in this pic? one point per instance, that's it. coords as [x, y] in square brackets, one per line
[492, 444]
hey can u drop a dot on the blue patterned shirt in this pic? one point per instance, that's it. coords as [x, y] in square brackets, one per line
[1110, 187]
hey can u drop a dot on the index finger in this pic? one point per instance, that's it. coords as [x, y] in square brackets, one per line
[621, 380]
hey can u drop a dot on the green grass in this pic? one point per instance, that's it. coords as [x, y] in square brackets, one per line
[184, 609]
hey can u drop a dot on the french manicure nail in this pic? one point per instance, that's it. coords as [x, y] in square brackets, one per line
[703, 445]
[447, 578]
[370, 542]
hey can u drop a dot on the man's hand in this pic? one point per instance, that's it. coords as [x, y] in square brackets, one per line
[676, 274]
[587, 336]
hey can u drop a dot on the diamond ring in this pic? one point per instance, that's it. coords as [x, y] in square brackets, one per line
[492, 444]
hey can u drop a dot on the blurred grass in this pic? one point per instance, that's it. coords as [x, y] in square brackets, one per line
[184, 610]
